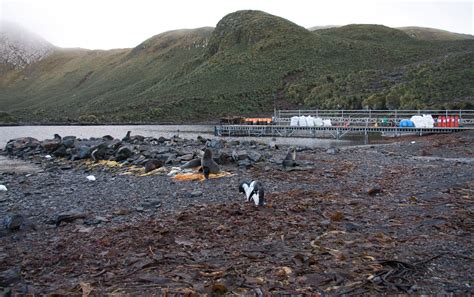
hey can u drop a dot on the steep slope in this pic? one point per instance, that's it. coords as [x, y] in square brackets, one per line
[247, 63]
[19, 47]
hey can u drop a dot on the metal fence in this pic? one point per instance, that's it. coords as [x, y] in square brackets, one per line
[283, 117]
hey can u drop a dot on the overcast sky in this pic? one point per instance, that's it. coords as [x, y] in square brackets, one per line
[105, 24]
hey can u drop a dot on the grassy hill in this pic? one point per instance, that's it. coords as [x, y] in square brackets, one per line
[250, 58]
[433, 34]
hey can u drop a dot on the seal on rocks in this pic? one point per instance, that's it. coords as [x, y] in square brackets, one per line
[153, 164]
[290, 159]
[127, 137]
[208, 165]
[253, 191]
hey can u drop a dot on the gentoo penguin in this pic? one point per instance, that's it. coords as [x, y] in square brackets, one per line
[253, 191]
[290, 159]
[207, 164]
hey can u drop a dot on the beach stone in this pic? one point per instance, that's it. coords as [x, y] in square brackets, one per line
[224, 158]
[107, 138]
[151, 204]
[50, 145]
[68, 217]
[10, 276]
[215, 143]
[351, 227]
[239, 155]
[254, 156]
[61, 151]
[332, 151]
[137, 139]
[196, 193]
[83, 152]
[244, 163]
[161, 139]
[325, 222]
[13, 221]
[373, 190]
[187, 157]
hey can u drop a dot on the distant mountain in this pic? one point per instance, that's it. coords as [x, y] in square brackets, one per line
[19, 47]
[434, 34]
[314, 28]
[251, 62]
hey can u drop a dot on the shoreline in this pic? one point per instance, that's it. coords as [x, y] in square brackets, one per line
[328, 224]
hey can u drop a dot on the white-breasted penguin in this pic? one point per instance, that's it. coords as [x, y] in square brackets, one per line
[253, 192]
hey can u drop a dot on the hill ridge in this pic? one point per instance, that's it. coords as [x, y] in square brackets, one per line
[250, 61]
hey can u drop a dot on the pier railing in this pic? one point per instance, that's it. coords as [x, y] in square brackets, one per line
[361, 117]
[336, 132]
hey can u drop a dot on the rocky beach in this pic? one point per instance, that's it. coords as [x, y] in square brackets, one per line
[103, 215]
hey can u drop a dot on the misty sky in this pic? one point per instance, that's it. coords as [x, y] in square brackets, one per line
[105, 24]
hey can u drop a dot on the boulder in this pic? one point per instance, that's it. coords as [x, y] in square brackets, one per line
[239, 155]
[215, 143]
[170, 158]
[22, 143]
[13, 222]
[61, 151]
[374, 190]
[224, 158]
[69, 141]
[9, 277]
[244, 163]
[107, 138]
[254, 156]
[186, 157]
[161, 139]
[83, 152]
[50, 145]
[332, 151]
[68, 217]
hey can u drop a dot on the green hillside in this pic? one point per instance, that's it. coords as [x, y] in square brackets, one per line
[433, 34]
[238, 68]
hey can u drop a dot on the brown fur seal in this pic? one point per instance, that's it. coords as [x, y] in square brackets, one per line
[207, 163]
[290, 159]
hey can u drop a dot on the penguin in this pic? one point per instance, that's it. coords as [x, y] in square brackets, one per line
[253, 192]
[208, 165]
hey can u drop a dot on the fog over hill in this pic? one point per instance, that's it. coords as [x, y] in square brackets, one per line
[19, 47]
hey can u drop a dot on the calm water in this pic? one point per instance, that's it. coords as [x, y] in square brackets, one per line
[184, 131]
